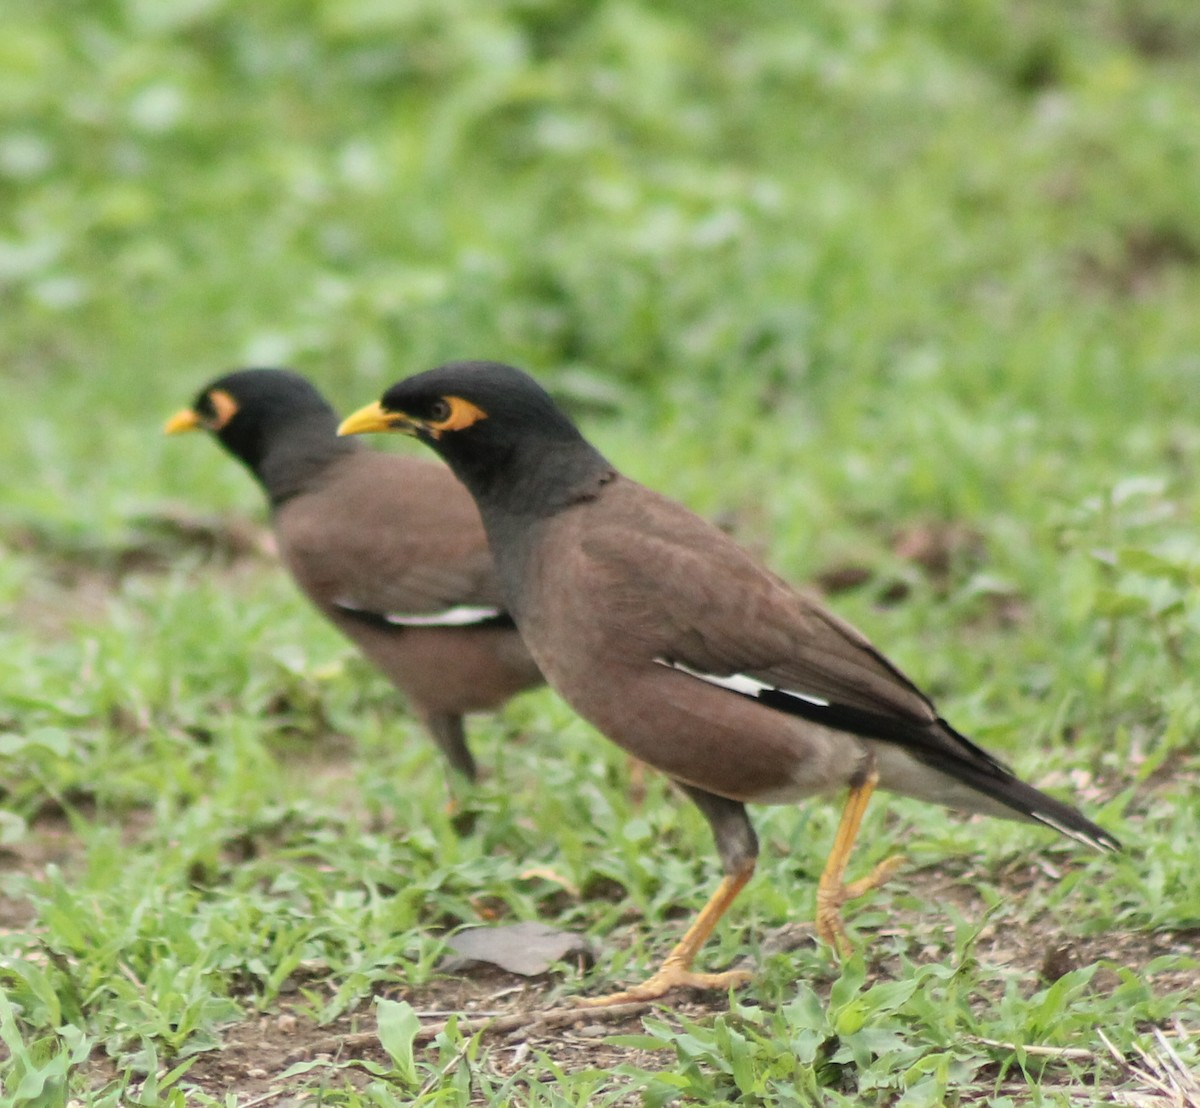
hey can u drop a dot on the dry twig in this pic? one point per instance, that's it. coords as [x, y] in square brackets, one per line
[1174, 1083]
[531, 1022]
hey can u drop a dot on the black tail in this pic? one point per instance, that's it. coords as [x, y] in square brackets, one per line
[942, 748]
[1014, 793]
[973, 766]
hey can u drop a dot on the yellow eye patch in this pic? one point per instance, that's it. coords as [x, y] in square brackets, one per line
[462, 415]
[224, 409]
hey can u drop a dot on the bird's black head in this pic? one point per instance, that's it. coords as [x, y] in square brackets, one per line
[498, 429]
[273, 420]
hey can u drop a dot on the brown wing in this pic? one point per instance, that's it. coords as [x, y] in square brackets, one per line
[388, 535]
[708, 604]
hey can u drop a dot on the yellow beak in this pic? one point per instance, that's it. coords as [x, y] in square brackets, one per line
[374, 418]
[183, 420]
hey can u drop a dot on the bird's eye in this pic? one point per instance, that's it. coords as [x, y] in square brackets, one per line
[216, 409]
[439, 411]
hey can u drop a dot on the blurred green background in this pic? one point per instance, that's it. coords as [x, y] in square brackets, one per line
[848, 210]
[902, 291]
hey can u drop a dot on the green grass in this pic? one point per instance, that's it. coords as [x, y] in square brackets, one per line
[834, 274]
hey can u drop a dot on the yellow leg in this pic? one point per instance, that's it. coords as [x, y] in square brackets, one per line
[636, 770]
[676, 972]
[832, 891]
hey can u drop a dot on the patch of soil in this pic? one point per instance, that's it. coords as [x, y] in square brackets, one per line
[258, 1051]
[940, 553]
[48, 841]
[77, 578]
[1137, 265]
[153, 542]
[1039, 949]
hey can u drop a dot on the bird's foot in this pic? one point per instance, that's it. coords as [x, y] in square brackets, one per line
[831, 896]
[669, 977]
[636, 772]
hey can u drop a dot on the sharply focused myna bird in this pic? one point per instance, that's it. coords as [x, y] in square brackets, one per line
[390, 549]
[677, 644]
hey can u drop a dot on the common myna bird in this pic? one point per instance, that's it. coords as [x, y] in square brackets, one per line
[677, 644]
[389, 548]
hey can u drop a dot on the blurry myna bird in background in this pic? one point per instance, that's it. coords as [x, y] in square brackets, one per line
[390, 549]
[673, 641]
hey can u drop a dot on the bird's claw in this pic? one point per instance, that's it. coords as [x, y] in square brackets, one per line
[668, 978]
[831, 896]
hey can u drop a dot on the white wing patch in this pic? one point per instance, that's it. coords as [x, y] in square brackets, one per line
[463, 615]
[740, 683]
